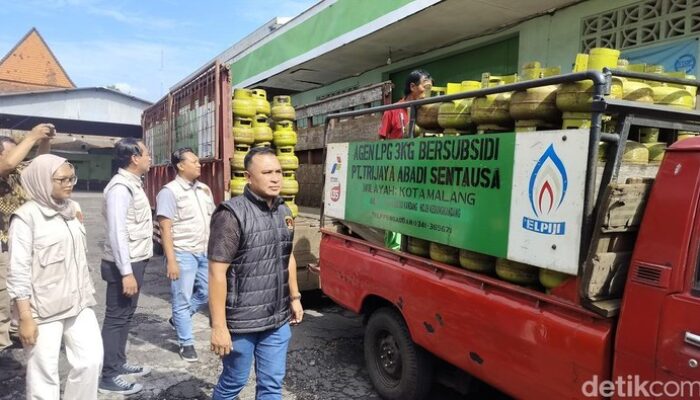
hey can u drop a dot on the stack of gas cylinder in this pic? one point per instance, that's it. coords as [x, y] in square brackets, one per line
[565, 106]
[511, 271]
[244, 110]
[248, 108]
[574, 99]
[549, 107]
[251, 128]
[284, 139]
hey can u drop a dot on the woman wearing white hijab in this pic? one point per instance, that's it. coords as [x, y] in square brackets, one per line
[50, 285]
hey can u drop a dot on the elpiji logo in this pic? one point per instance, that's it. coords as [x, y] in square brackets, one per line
[335, 189]
[547, 190]
[336, 165]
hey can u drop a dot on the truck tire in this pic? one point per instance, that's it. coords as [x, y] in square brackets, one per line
[397, 367]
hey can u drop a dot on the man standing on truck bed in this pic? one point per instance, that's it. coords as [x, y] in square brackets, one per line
[253, 291]
[395, 122]
[184, 208]
[127, 248]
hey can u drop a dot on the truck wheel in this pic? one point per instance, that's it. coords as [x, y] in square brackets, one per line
[399, 369]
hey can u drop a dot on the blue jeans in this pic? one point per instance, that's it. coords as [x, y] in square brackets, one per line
[190, 293]
[270, 351]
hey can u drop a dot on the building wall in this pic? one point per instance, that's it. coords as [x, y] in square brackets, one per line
[555, 39]
[93, 170]
[500, 58]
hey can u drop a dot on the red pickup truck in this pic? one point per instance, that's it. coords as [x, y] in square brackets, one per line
[627, 325]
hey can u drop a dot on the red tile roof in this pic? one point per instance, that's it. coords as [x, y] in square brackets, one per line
[10, 87]
[31, 65]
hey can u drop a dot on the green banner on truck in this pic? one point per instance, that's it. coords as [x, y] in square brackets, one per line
[454, 190]
[512, 195]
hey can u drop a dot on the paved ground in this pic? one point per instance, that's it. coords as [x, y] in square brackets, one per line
[325, 359]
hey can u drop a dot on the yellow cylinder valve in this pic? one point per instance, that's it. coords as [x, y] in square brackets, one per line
[656, 151]
[243, 131]
[284, 134]
[682, 135]
[238, 183]
[635, 153]
[290, 186]
[476, 261]
[261, 129]
[418, 247]
[238, 157]
[287, 158]
[444, 254]
[289, 202]
[551, 279]
[282, 108]
[515, 272]
[242, 104]
[262, 106]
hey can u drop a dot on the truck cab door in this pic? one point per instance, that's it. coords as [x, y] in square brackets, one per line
[678, 346]
[678, 350]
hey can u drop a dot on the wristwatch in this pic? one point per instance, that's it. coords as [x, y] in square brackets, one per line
[295, 297]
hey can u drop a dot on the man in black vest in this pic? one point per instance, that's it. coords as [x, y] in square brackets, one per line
[253, 291]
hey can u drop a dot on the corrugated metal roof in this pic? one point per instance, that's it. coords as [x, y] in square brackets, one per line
[94, 111]
[75, 90]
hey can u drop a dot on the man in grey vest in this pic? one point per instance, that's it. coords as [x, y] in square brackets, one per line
[127, 248]
[253, 291]
[184, 208]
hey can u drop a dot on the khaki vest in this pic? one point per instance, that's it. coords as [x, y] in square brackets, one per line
[61, 283]
[139, 222]
[195, 205]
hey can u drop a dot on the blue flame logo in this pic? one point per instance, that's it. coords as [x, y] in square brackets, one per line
[337, 165]
[548, 183]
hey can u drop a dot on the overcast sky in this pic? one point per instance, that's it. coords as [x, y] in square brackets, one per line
[143, 47]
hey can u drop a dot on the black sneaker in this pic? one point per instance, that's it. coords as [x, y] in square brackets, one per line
[118, 385]
[134, 370]
[188, 353]
[172, 323]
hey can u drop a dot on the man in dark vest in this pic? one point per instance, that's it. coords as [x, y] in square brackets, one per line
[253, 291]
